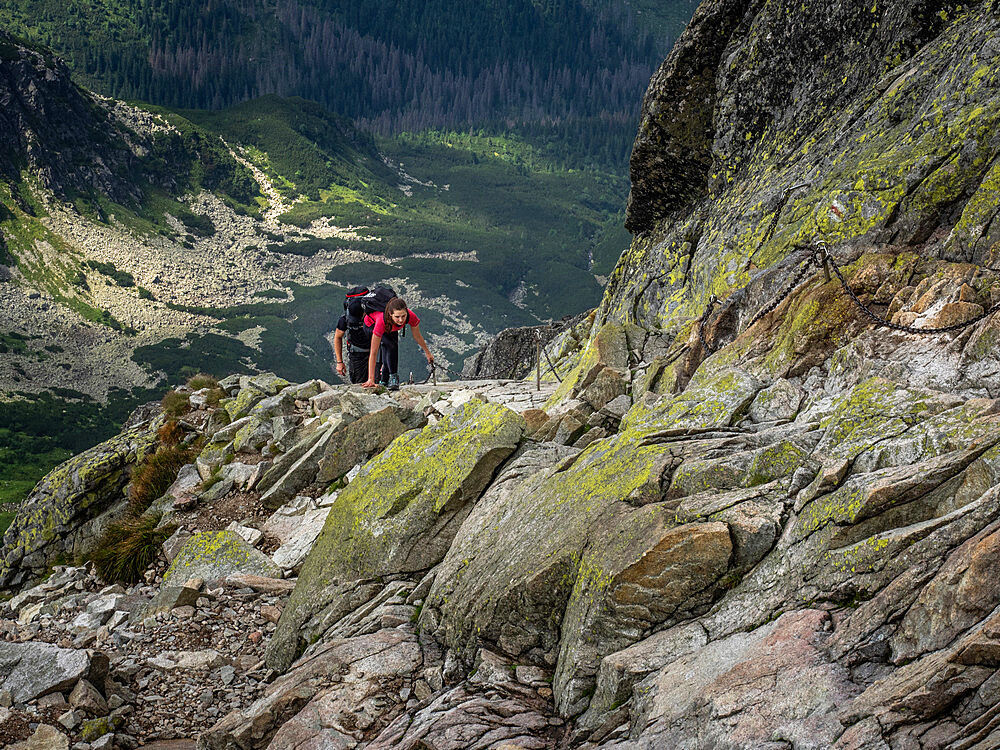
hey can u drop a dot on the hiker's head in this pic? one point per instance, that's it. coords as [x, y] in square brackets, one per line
[397, 311]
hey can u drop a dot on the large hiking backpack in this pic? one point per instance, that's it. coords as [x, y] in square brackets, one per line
[375, 302]
[354, 311]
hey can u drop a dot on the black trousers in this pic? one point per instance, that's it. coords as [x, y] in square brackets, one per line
[357, 365]
[388, 356]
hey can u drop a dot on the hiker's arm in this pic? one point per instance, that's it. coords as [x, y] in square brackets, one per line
[338, 350]
[372, 356]
[421, 343]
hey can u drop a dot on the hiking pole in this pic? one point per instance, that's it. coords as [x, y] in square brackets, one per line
[538, 361]
[434, 374]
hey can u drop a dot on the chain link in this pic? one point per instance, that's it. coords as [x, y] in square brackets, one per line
[800, 275]
[879, 320]
[552, 368]
[712, 302]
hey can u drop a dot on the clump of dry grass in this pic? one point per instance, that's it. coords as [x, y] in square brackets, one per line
[170, 433]
[152, 477]
[201, 380]
[175, 404]
[128, 547]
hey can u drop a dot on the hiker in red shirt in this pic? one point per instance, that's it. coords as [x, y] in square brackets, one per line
[385, 341]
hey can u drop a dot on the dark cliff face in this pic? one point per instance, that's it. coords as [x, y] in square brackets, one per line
[871, 126]
[55, 130]
[749, 76]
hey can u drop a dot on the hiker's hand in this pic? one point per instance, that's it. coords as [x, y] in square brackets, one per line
[430, 358]
[369, 384]
[341, 369]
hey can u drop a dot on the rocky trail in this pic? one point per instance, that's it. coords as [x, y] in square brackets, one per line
[164, 660]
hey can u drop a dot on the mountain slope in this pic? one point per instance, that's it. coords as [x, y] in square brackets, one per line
[388, 66]
[140, 245]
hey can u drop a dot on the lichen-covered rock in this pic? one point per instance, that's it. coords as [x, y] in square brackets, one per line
[609, 349]
[248, 397]
[267, 382]
[643, 575]
[358, 441]
[214, 555]
[53, 520]
[253, 436]
[402, 511]
[780, 400]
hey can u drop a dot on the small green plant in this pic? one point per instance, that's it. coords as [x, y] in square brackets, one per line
[175, 404]
[202, 380]
[213, 479]
[128, 547]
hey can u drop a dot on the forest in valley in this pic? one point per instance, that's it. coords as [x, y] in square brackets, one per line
[571, 70]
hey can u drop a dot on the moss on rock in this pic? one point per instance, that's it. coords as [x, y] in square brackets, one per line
[214, 555]
[402, 511]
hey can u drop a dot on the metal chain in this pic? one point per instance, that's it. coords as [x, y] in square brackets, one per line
[880, 321]
[712, 302]
[545, 351]
[788, 290]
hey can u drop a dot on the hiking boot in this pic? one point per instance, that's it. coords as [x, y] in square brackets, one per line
[394, 382]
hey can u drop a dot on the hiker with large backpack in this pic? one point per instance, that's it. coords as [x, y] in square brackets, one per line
[351, 326]
[385, 325]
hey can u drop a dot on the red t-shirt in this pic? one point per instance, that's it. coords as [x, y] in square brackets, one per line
[376, 321]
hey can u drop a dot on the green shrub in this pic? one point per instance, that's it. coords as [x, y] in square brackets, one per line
[128, 547]
[202, 380]
[175, 404]
[121, 278]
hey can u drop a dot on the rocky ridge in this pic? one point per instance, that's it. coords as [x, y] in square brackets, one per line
[87, 664]
[760, 523]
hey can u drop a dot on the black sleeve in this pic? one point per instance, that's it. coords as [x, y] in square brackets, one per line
[342, 323]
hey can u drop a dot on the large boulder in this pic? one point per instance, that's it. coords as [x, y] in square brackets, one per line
[771, 681]
[357, 442]
[401, 512]
[31, 670]
[214, 555]
[571, 556]
[59, 517]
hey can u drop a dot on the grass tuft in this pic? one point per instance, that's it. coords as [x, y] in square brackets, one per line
[154, 476]
[171, 433]
[175, 404]
[128, 547]
[202, 380]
